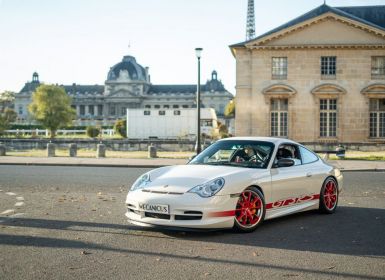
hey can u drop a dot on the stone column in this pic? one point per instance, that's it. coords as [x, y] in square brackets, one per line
[73, 150]
[50, 150]
[3, 151]
[152, 151]
[101, 151]
[86, 111]
[77, 111]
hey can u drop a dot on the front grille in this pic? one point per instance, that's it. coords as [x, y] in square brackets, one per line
[157, 215]
[187, 218]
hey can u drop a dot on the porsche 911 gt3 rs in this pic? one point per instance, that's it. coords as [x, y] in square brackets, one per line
[235, 183]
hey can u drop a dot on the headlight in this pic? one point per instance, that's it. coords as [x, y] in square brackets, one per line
[141, 182]
[210, 188]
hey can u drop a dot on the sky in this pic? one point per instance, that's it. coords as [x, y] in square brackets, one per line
[77, 41]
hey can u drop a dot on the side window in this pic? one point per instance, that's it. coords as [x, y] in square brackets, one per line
[289, 151]
[307, 156]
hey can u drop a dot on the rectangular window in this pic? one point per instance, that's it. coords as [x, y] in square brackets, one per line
[100, 110]
[162, 113]
[328, 67]
[377, 118]
[123, 111]
[166, 106]
[82, 110]
[378, 67]
[156, 106]
[147, 106]
[185, 106]
[176, 112]
[147, 113]
[175, 106]
[328, 117]
[20, 110]
[279, 68]
[112, 110]
[278, 117]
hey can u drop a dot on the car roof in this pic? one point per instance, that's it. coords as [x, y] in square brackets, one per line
[274, 140]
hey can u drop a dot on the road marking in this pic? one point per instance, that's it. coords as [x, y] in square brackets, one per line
[10, 193]
[19, 204]
[6, 212]
[20, 198]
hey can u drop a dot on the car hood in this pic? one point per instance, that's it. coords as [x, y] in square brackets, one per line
[181, 178]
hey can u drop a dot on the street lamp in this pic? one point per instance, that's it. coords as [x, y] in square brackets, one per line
[198, 52]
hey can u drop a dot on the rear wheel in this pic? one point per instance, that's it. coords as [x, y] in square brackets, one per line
[250, 210]
[328, 196]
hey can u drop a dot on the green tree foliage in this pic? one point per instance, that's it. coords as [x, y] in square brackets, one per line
[51, 106]
[92, 131]
[6, 118]
[120, 127]
[230, 109]
[6, 99]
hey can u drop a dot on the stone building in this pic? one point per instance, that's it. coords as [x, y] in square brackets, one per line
[128, 86]
[319, 78]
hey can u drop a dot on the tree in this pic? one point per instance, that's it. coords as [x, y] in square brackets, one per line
[120, 127]
[6, 118]
[230, 109]
[6, 99]
[51, 106]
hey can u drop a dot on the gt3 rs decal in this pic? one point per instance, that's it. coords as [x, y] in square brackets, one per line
[276, 204]
[292, 200]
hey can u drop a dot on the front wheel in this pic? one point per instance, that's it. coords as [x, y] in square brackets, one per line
[328, 196]
[250, 210]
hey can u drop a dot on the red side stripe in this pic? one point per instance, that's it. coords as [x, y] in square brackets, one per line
[222, 214]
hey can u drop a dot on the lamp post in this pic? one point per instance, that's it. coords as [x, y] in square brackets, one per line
[198, 52]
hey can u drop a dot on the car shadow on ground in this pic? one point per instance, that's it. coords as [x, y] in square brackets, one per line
[350, 231]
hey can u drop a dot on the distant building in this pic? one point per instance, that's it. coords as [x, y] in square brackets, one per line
[128, 86]
[319, 78]
[169, 123]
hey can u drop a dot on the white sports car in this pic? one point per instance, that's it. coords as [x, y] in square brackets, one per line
[235, 183]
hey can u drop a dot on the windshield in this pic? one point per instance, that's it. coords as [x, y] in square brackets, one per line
[251, 154]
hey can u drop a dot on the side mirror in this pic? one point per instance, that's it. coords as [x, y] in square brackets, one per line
[285, 162]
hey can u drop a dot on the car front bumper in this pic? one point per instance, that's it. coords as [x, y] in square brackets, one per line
[187, 210]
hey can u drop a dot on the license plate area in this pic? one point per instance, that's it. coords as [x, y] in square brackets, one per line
[154, 208]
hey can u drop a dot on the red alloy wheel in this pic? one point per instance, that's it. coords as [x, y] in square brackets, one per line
[249, 209]
[330, 195]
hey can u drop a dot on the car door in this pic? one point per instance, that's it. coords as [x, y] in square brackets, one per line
[289, 183]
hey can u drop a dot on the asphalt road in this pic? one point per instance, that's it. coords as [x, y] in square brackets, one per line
[68, 223]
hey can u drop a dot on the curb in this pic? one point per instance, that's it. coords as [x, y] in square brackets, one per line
[83, 165]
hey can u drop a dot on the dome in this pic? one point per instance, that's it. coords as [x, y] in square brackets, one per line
[127, 69]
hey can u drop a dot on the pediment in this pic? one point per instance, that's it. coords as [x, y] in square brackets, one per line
[374, 90]
[328, 89]
[279, 90]
[122, 94]
[328, 29]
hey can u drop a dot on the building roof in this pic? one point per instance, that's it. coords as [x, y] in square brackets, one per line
[83, 89]
[370, 15]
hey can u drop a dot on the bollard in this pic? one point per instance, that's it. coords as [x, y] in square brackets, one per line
[152, 151]
[73, 150]
[50, 150]
[3, 151]
[101, 151]
[340, 152]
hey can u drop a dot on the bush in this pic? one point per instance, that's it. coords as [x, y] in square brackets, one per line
[120, 128]
[92, 131]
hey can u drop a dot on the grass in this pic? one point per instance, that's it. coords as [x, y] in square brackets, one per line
[359, 155]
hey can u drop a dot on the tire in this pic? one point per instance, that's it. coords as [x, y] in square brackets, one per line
[249, 211]
[328, 198]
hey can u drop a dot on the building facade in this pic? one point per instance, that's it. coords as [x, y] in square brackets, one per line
[319, 78]
[128, 86]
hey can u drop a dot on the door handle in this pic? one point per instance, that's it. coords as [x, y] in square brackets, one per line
[309, 174]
